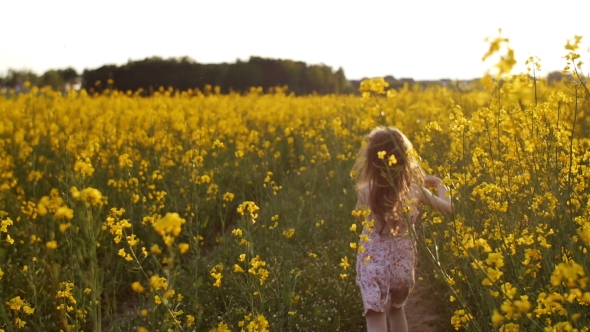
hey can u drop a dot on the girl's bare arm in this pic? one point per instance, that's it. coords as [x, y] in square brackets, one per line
[441, 202]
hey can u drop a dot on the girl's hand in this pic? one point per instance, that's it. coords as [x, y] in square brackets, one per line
[439, 202]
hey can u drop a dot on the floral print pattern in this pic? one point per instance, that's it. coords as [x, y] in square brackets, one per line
[386, 277]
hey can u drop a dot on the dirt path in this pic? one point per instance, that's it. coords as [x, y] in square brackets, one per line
[424, 310]
[421, 311]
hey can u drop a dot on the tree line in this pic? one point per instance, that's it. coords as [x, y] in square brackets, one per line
[153, 73]
[182, 74]
[57, 79]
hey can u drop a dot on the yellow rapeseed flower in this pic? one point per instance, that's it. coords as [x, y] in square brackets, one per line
[392, 160]
[344, 263]
[137, 287]
[289, 233]
[183, 247]
[171, 224]
[64, 212]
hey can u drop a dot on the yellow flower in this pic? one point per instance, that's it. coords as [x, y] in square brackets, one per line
[523, 305]
[132, 240]
[381, 154]
[170, 224]
[392, 160]
[376, 85]
[155, 249]
[497, 318]
[573, 45]
[83, 167]
[249, 207]
[217, 277]
[28, 310]
[4, 225]
[228, 197]
[344, 263]
[64, 212]
[263, 274]
[19, 323]
[51, 245]
[190, 320]
[289, 233]
[222, 327]
[137, 287]
[64, 227]
[183, 248]
[16, 303]
[158, 282]
[507, 308]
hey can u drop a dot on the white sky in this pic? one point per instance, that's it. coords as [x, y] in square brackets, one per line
[422, 39]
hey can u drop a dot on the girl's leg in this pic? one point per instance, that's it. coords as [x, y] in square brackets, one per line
[397, 320]
[376, 321]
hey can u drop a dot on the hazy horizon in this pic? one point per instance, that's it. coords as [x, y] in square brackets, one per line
[428, 40]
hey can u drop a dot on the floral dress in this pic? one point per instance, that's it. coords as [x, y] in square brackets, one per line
[385, 269]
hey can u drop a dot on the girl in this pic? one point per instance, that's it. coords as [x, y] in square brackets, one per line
[390, 183]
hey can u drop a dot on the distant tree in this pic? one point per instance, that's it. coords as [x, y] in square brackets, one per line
[17, 78]
[556, 77]
[294, 71]
[212, 74]
[389, 79]
[69, 76]
[52, 78]
[272, 71]
[343, 86]
[316, 79]
[241, 76]
[186, 59]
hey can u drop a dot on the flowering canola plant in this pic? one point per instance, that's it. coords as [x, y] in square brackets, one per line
[232, 212]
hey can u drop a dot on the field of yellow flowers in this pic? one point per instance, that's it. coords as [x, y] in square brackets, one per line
[197, 211]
